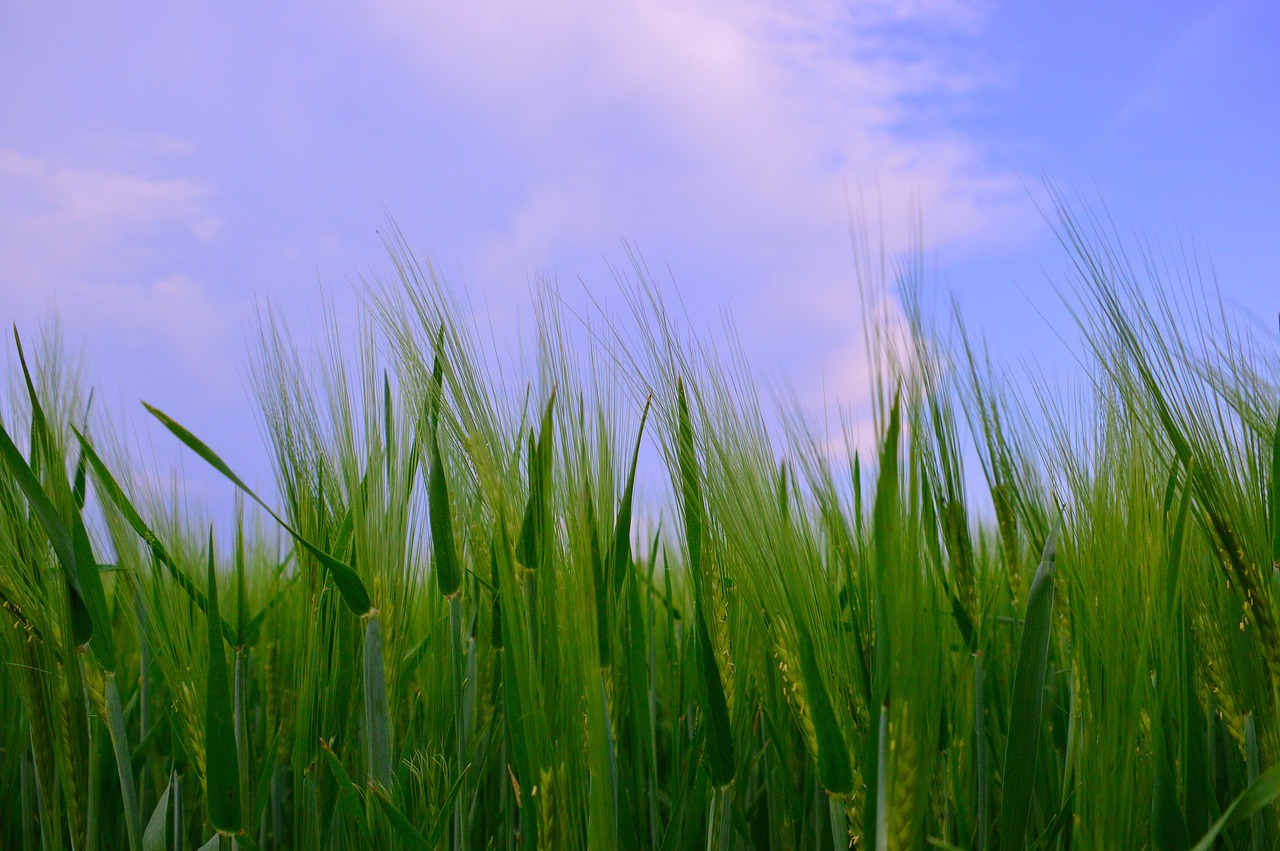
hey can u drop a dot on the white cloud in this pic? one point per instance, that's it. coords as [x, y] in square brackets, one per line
[732, 129]
[60, 218]
[83, 240]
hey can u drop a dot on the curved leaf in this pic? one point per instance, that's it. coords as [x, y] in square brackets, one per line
[347, 581]
[1261, 792]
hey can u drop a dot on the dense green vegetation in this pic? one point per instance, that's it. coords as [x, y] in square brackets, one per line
[453, 628]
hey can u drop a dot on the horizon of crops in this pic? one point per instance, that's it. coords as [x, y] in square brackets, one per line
[447, 630]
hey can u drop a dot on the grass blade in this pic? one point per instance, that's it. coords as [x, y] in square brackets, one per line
[1168, 826]
[408, 834]
[348, 793]
[448, 573]
[348, 583]
[881, 809]
[604, 605]
[1257, 826]
[885, 511]
[535, 525]
[1260, 793]
[110, 488]
[690, 481]
[619, 559]
[222, 765]
[884, 525]
[377, 714]
[834, 769]
[1274, 495]
[124, 766]
[1028, 703]
[57, 532]
[980, 756]
[721, 763]
[154, 837]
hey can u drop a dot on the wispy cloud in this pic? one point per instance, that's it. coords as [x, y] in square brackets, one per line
[87, 242]
[726, 130]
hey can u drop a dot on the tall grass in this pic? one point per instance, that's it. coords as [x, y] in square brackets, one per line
[454, 627]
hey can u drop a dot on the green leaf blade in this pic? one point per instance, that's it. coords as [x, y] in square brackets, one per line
[347, 581]
[834, 768]
[377, 713]
[1028, 703]
[222, 764]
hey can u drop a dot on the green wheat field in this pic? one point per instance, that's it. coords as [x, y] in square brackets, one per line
[1034, 619]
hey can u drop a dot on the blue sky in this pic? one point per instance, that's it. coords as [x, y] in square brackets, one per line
[166, 168]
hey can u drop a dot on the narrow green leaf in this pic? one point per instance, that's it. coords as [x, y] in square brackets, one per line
[37, 411]
[881, 810]
[885, 519]
[348, 583]
[535, 525]
[525, 722]
[388, 427]
[602, 762]
[1260, 793]
[439, 514]
[82, 621]
[436, 397]
[110, 488]
[124, 766]
[242, 591]
[405, 831]
[721, 763]
[261, 788]
[1274, 494]
[377, 714]
[1252, 760]
[642, 732]
[154, 838]
[95, 595]
[433, 835]
[1028, 703]
[79, 486]
[691, 799]
[690, 481]
[884, 526]
[1168, 826]
[1057, 824]
[834, 769]
[348, 793]
[981, 756]
[448, 573]
[604, 607]
[1201, 803]
[495, 629]
[1174, 564]
[620, 556]
[222, 766]
[784, 497]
